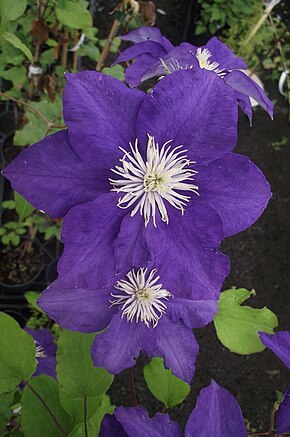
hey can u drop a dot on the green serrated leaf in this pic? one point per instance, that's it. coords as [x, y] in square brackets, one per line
[17, 358]
[237, 325]
[35, 419]
[75, 369]
[17, 43]
[165, 386]
[23, 208]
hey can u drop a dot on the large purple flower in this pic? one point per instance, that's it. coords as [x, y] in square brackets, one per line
[142, 315]
[279, 343]
[217, 413]
[45, 352]
[145, 177]
[155, 56]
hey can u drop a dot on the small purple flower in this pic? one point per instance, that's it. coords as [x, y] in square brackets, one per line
[139, 314]
[279, 343]
[45, 352]
[144, 177]
[217, 413]
[156, 57]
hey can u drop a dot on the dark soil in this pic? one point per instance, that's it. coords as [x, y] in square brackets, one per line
[19, 265]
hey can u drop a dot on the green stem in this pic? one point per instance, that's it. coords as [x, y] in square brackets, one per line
[85, 417]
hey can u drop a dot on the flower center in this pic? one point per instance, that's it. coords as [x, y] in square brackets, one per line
[141, 297]
[152, 184]
[203, 56]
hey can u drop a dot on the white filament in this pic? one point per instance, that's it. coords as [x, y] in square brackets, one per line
[141, 297]
[203, 56]
[165, 173]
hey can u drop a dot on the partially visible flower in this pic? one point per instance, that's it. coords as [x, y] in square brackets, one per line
[279, 343]
[155, 58]
[139, 314]
[45, 352]
[217, 413]
[143, 176]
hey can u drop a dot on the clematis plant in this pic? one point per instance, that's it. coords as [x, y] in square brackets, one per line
[155, 56]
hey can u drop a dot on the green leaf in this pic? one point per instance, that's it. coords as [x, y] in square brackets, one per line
[15, 240]
[117, 71]
[35, 419]
[17, 75]
[32, 297]
[74, 15]
[90, 50]
[11, 10]
[237, 326]
[165, 386]
[94, 423]
[23, 208]
[17, 43]
[8, 204]
[17, 358]
[75, 370]
[6, 400]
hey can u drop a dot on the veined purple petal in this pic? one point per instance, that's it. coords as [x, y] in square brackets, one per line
[193, 108]
[217, 413]
[146, 47]
[88, 233]
[117, 348]
[235, 188]
[146, 33]
[110, 427]
[185, 252]
[283, 413]
[137, 423]
[135, 71]
[240, 82]
[176, 344]
[100, 113]
[51, 176]
[76, 308]
[223, 55]
[279, 343]
[244, 103]
[194, 313]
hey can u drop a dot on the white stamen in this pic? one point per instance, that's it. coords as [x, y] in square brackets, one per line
[159, 179]
[142, 297]
[203, 56]
[39, 351]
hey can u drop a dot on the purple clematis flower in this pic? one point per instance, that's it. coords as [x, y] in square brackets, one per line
[146, 175]
[45, 352]
[279, 343]
[155, 56]
[217, 413]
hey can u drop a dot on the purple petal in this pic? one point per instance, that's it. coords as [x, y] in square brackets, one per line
[194, 108]
[240, 82]
[89, 232]
[110, 427]
[279, 343]
[130, 247]
[53, 177]
[46, 366]
[176, 344]
[147, 33]
[244, 103]
[195, 269]
[117, 348]
[235, 188]
[223, 55]
[194, 313]
[283, 413]
[100, 113]
[136, 71]
[217, 413]
[136, 422]
[147, 47]
[76, 308]
[44, 338]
